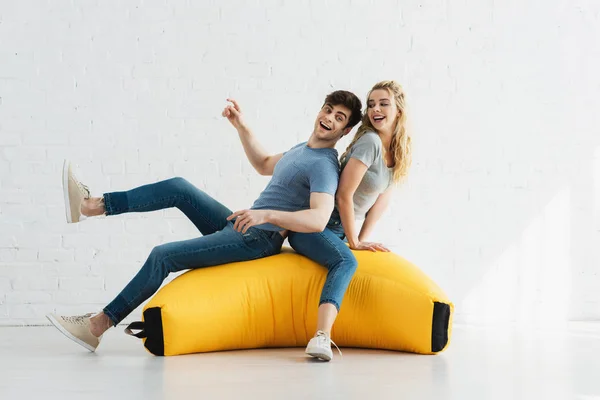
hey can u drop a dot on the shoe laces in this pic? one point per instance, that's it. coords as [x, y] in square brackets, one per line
[77, 319]
[84, 189]
[323, 339]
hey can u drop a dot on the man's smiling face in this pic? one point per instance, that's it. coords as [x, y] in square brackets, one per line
[331, 122]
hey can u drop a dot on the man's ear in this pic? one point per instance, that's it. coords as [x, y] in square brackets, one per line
[346, 131]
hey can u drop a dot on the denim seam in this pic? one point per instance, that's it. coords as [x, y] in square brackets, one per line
[332, 244]
[341, 256]
[273, 242]
[328, 286]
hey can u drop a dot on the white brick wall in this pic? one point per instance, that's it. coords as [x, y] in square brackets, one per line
[502, 207]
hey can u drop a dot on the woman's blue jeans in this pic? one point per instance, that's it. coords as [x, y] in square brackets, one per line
[328, 249]
[219, 243]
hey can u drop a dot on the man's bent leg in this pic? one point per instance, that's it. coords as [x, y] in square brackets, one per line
[206, 213]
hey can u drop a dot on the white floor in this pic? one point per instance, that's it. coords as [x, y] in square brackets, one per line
[39, 362]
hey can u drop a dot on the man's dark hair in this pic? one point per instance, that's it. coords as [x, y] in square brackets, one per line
[348, 100]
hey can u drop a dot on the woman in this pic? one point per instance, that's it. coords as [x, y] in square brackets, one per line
[378, 156]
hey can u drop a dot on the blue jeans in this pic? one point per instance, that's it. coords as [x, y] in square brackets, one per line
[220, 243]
[328, 249]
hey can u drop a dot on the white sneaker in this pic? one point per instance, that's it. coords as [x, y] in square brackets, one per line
[320, 346]
[74, 192]
[77, 329]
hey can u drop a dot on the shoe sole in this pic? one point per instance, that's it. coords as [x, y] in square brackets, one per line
[68, 334]
[317, 354]
[65, 184]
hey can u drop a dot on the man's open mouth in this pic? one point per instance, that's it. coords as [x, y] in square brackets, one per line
[324, 126]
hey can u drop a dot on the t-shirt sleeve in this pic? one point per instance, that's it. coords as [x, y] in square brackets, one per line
[365, 149]
[324, 177]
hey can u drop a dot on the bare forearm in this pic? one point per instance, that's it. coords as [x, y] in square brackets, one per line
[305, 221]
[346, 209]
[367, 228]
[254, 151]
[373, 216]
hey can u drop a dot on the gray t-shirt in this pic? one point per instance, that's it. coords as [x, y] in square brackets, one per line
[301, 171]
[369, 150]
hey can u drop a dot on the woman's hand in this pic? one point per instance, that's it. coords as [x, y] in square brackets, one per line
[372, 246]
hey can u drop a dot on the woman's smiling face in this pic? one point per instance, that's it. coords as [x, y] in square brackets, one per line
[382, 110]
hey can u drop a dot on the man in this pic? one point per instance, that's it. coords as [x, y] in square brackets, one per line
[299, 197]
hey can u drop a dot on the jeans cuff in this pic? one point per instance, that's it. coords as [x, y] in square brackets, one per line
[112, 201]
[115, 321]
[330, 301]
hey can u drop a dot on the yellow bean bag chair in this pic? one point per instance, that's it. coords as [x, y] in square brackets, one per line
[272, 302]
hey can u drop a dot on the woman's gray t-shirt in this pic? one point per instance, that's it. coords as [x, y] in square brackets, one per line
[369, 150]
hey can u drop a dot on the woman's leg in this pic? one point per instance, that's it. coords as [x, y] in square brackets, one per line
[327, 249]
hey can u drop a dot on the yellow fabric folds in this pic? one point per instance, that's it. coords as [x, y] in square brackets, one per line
[272, 302]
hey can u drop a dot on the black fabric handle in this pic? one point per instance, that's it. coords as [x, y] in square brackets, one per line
[138, 326]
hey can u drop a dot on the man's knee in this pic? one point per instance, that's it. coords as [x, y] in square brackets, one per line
[178, 182]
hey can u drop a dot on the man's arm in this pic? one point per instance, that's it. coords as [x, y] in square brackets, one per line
[262, 162]
[306, 221]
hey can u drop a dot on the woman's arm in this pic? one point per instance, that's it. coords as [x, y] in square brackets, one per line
[375, 213]
[352, 175]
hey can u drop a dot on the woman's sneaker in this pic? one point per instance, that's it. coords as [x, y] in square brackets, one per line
[77, 329]
[75, 192]
[320, 347]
